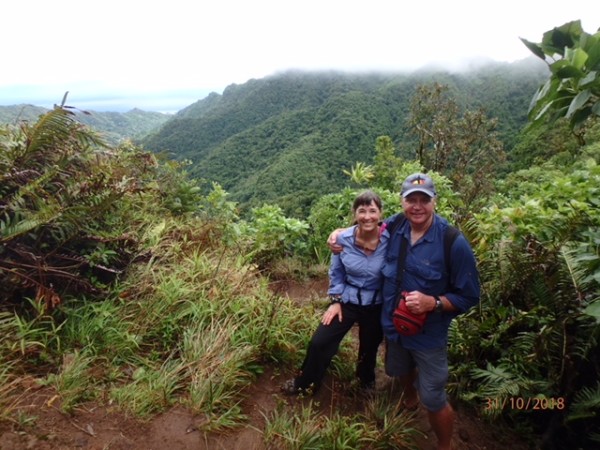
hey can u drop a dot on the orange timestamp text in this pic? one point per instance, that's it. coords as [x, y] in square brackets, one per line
[524, 403]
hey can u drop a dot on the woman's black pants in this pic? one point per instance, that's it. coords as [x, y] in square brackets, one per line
[325, 343]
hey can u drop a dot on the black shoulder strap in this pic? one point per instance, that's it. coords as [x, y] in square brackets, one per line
[401, 261]
[398, 220]
[449, 237]
[395, 223]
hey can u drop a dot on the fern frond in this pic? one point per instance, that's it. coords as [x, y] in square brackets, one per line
[501, 381]
[586, 404]
[59, 132]
[575, 270]
[496, 381]
[25, 221]
[54, 126]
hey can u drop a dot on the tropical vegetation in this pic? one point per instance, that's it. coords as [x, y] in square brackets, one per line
[288, 138]
[128, 281]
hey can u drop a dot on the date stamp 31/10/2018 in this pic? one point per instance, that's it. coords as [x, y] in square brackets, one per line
[524, 403]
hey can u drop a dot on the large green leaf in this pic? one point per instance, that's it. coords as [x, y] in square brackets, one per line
[589, 80]
[564, 69]
[572, 90]
[577, 57]
[534, 48]
[578, 102]
[593, 309]
[565, 36]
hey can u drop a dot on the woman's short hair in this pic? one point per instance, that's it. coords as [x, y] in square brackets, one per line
[366, 198]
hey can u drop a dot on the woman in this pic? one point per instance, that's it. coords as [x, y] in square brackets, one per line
[355, 295]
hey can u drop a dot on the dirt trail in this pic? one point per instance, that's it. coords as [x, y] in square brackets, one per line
[96, 427]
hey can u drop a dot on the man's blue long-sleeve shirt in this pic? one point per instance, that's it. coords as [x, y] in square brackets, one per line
[425, 272]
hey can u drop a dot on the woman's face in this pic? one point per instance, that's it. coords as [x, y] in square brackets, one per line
[368, 216]
[418, 208]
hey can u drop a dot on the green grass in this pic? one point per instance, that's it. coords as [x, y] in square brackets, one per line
[381, 426]
[189, 326]
[9, 392]
[73, 382]
[151, 389]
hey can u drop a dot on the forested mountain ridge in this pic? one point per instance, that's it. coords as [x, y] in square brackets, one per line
[113, 126]
[287, 138]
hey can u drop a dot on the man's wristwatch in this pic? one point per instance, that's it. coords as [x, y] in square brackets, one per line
[439, 306]
[335, 299]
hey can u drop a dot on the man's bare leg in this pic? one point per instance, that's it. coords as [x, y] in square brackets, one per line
[409, 393]
[442, 422]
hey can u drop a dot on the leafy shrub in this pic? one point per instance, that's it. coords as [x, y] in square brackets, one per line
[270, 236]
[535, 334]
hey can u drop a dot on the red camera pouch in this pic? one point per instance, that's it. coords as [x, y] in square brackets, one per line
[407, 323]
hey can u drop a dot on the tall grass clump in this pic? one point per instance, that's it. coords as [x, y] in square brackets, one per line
[218, 370]
[101, 329]
[74, 381]
[31, 339]
[10, 392]
[381, 426]
[151, 388]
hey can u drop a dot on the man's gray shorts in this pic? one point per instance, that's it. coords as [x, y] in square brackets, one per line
[432, 373]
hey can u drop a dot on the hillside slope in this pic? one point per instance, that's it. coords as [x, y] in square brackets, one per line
[114, 126]
[287, 138]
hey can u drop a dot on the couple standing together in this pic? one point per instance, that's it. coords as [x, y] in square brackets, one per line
[364, 289]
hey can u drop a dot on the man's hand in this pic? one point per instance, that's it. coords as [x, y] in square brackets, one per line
[334, 310]
[419, 303]
[332, 241]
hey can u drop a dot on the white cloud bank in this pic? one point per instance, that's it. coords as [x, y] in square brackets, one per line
[116, 55]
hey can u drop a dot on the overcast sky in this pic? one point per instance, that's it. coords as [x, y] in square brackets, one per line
[115, 55]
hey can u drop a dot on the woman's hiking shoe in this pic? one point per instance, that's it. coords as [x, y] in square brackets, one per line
[290, 387]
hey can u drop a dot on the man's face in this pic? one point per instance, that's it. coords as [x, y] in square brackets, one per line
[418, 207]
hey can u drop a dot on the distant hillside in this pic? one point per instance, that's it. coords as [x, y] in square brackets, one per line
[15, 113]
[114, 126]
[287, 138]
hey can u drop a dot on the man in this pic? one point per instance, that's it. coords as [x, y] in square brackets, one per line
[420, 361]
